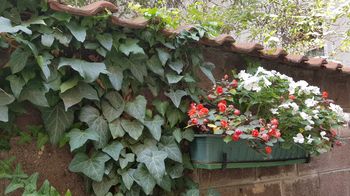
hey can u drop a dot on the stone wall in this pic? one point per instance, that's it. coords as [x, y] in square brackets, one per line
[326, 175]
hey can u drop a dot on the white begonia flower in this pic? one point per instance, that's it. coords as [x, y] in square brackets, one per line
[266, 81]
[252, 84]
[307, 117]
[274, 110]
[292, 105]
[338, 110]
[310, 102]
[323, 133]
[309, 139]
[315, 112]
[299, 138]
[308, 128]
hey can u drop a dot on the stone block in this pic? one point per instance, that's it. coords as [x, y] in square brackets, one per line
[308, 186]
[335, 183]
[270, 189]
[276, 172]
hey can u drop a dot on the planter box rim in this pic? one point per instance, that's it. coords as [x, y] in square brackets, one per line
[208, 135]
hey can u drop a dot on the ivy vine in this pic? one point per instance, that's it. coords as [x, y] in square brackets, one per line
[117, 95]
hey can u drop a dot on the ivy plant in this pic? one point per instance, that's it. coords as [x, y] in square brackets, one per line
[119, 95]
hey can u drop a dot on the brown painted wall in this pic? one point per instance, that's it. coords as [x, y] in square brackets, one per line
[326, 175]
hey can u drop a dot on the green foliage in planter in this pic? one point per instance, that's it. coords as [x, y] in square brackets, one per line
[118, 94]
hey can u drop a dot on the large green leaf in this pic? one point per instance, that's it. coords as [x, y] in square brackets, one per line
[112, 105]
[69, 84]
[137, 108]
[161, 106]
[116, 129]
[6, 27]
[77, 31]
[77, 137]
[96, 122]
[18, 60]
[93, 167]
[133, 128]
[16, 84]
[128, 178]
[165, 183]
[75, 95]
[89, 71]
[105, 40]
[47, 39]
[175, 170]
[176, 96]
[169, 146]
[116, 77]
[5, 98]
[35, 93]
[131, 47]
[176, 66]
[155, 126]
[57, 121]
[155, 65]
[163, 55]
[154, 161]
[144, 179]
[129, 157]
[137, 66]
[113, 149]
[207, 70]
[44, 61]
[4, 113]
[173, 78]
[102, 188]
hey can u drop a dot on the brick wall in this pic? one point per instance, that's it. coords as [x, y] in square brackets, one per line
[325, 175]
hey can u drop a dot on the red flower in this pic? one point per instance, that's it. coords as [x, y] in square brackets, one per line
[325, 94]
[333, 133]
[192, 112]
[194, 121]
[234, 83]
[205, 121]
[278, 134]
[235, 137]
[268, 150]
[200, 106]
[222, 107]
[255, 133]
[274, 121]
[265, 137]
[292, 97]
[272, 132]
[238, 132]
[225, 77]
[224, 123]
[219, 90]
[237, 112]
[203, 112]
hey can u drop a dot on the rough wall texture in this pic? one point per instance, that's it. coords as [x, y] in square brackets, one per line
[326, 175]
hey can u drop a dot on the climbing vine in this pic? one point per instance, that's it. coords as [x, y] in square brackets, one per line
[118, 96]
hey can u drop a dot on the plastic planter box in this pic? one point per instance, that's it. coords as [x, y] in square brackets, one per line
[211, 152]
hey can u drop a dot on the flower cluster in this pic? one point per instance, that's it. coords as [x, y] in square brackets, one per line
[269, 107]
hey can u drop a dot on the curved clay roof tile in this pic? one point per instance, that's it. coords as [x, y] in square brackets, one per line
[89, 10]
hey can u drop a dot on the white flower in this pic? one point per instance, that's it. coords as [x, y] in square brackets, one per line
[315, 112]
[299, 138]
[308, 128]
[292, 105]
[307, 117]
[310, 102]
[251, 83]
[274, 110]
[323, 133]
[309, 139]
[337, 109]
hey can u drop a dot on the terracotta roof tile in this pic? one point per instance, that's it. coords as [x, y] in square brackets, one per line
[89, 10]
[224, 41]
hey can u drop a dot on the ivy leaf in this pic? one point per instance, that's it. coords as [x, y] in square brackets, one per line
[115, 75]
[112, 105]
[207, 70]
[175, 171]
[57, 121]
[155, 65]
[176, 66]
[137, 108]
[188, 134]
[176, 96]
[113, 149]
[137, 67]
[92, 167]
[192, 192]
[35, 93]
[131, 46]
[144, 179]
[129, 157]
[47, 40]
[5, 98]
[102, 188]
[64, 39]
[116, 129]
[169, 146]
[174, 116]
[165, 183]
[105, 40]
[161, 106]
[69, 84]
[128, 178]
[163, 55]
[44, 61]
[78, 31]
[173, 78]
[4, 113]
[16, 84]
[154, 161]
[96, 122]
[155, 126]
[76, 94]
[77, 137]
[177, 135]
[18, 60]
[133, 128]
[6, 27]
[89, 71]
